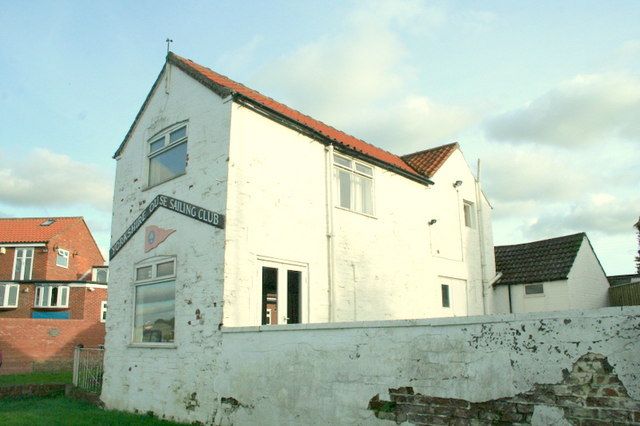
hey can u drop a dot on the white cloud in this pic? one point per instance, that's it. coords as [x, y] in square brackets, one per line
[44, 178]
[588, 110]
[523, 173]
[359, 79]
[599, 213]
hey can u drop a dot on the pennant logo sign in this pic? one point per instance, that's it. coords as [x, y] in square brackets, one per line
[154, 236]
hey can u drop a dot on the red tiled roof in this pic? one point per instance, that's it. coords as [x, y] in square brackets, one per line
[428, 162]
[224, 86]
[30, 230]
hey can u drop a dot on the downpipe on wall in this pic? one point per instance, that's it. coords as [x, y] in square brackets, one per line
[483, 260]
[329, 213]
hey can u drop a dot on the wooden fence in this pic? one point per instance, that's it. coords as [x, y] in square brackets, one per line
[625, 294]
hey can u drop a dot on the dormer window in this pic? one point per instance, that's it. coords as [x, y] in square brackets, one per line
[167, 155]
[62, 258]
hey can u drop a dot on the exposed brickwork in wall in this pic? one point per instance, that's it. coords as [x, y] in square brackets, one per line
[591, 394]
[27, 341]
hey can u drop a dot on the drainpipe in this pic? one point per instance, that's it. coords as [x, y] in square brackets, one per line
[483, 261]
[329, 207]
[509, 289]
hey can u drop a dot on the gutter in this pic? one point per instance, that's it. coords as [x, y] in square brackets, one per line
[301, 128]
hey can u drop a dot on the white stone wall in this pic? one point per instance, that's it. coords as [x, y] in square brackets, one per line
[327, 373]
[160, 378]
[588, 283]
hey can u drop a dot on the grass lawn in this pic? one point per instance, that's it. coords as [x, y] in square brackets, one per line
[60, 411]
[29, 378]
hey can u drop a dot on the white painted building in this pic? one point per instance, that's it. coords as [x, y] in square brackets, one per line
[231, 208]
[550, 275]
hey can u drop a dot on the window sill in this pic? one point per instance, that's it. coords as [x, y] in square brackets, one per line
[148, 187]
[50, 308]
[3, 308]
[356, 212]
[152, 345]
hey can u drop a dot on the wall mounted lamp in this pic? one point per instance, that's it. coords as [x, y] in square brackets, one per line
[457, 183]
[432, 221]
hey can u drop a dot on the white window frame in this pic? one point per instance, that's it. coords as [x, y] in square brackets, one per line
[43, 293]
[355, 170]
[22, 260]
[167, 146]
[94, 274]
[64, 254]
[154, 279]
[537, 294]
[470, 220]
[103, 311]
[4, 301]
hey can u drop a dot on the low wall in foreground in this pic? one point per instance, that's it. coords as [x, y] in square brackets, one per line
[525, 368]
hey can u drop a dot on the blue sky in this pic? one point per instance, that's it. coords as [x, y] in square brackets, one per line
[546, 94]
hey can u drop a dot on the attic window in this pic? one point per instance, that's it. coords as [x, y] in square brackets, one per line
[167, 155]
[47, 222]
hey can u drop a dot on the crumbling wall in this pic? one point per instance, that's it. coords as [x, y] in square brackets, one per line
[580, 367]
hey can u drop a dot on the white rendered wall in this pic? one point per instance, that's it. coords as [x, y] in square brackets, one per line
[133, 375]
[457, 248]
[556, 297]
[588, 283]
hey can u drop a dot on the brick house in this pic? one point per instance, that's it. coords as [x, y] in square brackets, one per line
[53, 291]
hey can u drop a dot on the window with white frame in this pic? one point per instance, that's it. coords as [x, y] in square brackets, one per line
[103, 311]
[469, 215]
[9, 295]
[23, 263]
[51, 296]
[167, 155]
[531, 289]
[354, 184]
[154, 305]
[62, 258]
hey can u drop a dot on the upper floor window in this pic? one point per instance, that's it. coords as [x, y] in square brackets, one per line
[354, 183]
[100, 275]
[167, 155]
[154, 301]
[62, 258]
[23, 263]
[469, 215]
[52, 296]
[9, 295]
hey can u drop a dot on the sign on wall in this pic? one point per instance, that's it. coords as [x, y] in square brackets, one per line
[154, 236]
[182, 207]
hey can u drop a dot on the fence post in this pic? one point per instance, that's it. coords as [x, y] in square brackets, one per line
[76, 365]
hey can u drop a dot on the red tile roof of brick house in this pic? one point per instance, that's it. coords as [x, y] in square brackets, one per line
[224, 86]
[34, 229]
[428, 162]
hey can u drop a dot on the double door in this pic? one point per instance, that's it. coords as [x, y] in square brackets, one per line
[283, 286]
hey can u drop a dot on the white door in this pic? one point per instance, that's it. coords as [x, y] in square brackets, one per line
[283, 292]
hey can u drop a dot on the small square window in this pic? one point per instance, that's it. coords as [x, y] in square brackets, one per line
[62, 258]
[144, 273]
[533, 289]
[165, 269]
